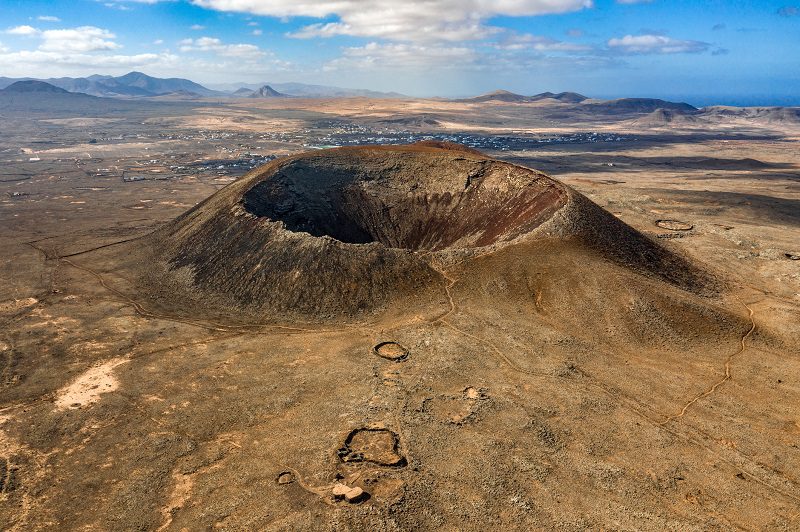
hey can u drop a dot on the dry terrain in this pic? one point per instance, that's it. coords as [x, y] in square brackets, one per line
[397, 338]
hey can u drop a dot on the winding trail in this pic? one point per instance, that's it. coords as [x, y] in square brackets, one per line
[727, 375]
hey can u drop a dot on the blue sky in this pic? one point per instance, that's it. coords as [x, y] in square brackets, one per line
[704, 52]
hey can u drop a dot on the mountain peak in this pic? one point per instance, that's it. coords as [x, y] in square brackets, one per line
[499, 95]
[267, 92]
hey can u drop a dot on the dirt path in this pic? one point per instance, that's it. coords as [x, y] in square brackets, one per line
[727, 375]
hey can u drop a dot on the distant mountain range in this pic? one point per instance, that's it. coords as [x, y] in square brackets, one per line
[136, 91]
[639, 105]
[139, 85]
[305, 90]
[619, 106]
[33, 96]
[133, 84]
[510, 97]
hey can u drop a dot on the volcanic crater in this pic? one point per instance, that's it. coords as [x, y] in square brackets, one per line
[358, 230]
[405, 199]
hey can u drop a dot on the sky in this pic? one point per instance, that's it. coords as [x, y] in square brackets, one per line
[702, 52]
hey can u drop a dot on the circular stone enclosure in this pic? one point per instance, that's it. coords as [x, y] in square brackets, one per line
[405, 197]
[674, 225]
[391, 351]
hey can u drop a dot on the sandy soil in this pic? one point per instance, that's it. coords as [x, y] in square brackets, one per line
[89, 386]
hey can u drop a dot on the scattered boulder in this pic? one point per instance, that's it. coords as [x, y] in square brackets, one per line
[339, 491]
[352, 495]
[355, 495]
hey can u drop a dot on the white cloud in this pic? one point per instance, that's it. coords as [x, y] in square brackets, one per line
[158, 41]
[38, 63]
[23, 30]
[408, 20]
[31, 62]
[655, 44]
[257, 32]
[375, 56]
[399, 31]
[197, 27]
[48, 18]
[211, 44]
[82, 39]
[526, 41]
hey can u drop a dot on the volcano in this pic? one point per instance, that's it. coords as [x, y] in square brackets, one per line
[351, 230]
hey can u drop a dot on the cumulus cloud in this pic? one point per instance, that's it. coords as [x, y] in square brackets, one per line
[212, 44]
[38, 63]
[655, 44]
[393, 56]
[28, 62]
[48, 18]
[197, 27]
[23, 30]
[409, 20]
[82, 39]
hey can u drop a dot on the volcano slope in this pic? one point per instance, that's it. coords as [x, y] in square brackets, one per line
[469, 343]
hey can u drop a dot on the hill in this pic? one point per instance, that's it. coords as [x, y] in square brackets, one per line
[155, 86]
[242, 92]
[266, 92]
[760, 115]
[34, 86]
[306, 90]
[637, 105]
[499, 96]
[565, 97]
[512, 97]
[665, 118]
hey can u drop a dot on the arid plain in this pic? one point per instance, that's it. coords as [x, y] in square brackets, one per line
[563, 381]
